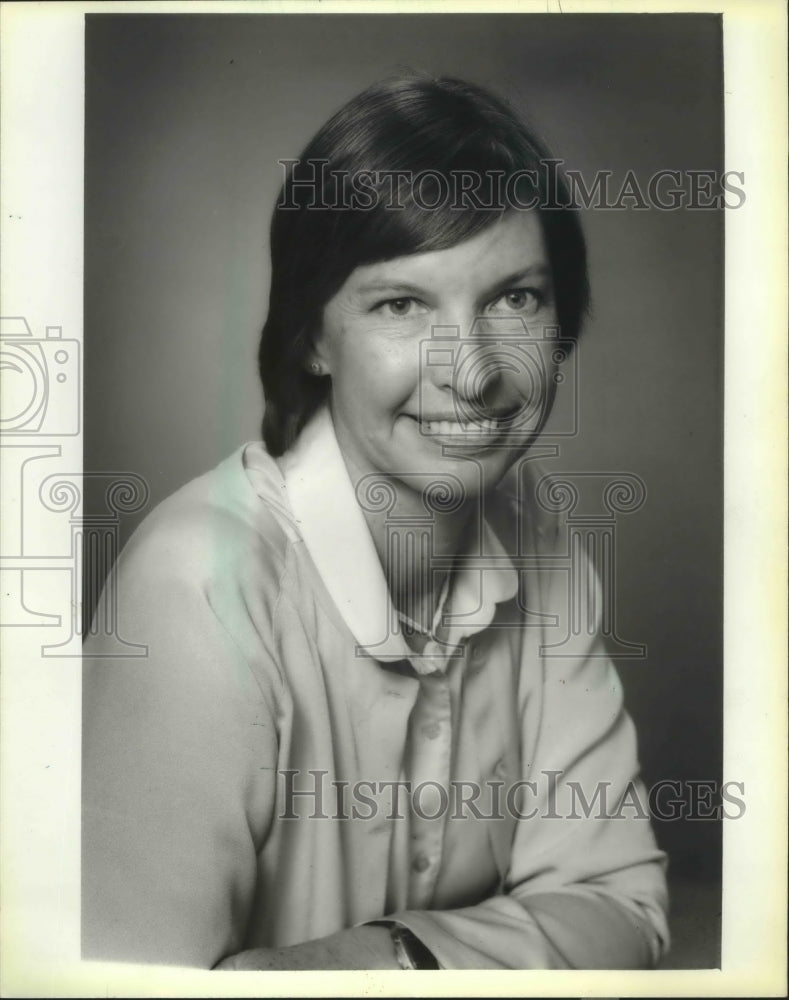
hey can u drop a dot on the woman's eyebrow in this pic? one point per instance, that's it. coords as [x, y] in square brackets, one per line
[398, 287]
[538, 270]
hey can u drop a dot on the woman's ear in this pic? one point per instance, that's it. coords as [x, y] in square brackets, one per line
[317, 357]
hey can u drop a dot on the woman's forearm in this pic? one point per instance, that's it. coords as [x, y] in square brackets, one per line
[356, 948]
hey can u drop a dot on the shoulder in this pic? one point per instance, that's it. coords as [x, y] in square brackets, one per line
[222, 526]
[201, 580]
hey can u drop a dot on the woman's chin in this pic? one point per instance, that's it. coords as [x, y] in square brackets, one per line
[475, 470]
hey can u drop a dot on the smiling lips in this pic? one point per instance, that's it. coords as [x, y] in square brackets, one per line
[481, 428]
[450, 427]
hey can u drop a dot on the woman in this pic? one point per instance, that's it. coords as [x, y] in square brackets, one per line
[346, 747]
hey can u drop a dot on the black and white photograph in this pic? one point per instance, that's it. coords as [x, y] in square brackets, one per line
[387, 505]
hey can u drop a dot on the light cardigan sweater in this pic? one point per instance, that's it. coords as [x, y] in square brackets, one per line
[275, 667]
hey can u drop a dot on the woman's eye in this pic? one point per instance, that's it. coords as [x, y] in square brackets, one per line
[526, 300]
[399, 307]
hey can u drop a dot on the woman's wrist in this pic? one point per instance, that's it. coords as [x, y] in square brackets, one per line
[410, 952]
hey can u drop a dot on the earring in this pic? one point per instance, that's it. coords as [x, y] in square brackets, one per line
[316, 368]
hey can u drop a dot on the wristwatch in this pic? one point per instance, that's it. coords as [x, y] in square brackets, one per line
[410, 951]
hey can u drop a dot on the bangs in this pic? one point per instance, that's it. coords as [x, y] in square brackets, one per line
[407, 192]
[386, 232]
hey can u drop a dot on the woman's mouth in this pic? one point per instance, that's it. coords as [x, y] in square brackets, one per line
[444, 428]
[479, 432]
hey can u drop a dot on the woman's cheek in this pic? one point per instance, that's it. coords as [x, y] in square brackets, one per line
[389, 362]
[370, 378]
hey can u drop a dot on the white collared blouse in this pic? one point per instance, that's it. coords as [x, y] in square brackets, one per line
[281, 765]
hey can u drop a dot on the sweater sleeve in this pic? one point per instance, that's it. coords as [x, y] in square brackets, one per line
[179, 753]
[583, 882]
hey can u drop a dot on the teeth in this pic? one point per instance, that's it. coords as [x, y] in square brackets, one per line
[450, 427]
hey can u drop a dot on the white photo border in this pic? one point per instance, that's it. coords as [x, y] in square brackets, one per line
[42, 66]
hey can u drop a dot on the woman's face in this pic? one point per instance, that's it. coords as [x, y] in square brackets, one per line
[443, 362]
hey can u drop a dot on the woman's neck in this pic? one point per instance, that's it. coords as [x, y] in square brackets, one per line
[416, 542]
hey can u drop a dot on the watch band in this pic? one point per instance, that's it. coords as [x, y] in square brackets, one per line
[411, 953]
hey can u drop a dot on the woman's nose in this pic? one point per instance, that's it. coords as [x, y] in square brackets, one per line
[462, 357]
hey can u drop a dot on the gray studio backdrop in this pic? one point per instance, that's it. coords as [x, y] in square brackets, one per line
[186, 117]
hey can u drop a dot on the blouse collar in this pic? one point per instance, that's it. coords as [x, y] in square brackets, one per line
[334, 530]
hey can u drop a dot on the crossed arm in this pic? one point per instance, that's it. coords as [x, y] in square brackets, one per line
[169, 864]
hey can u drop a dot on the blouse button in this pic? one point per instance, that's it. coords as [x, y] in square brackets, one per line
[421, 863]
[432, 730]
